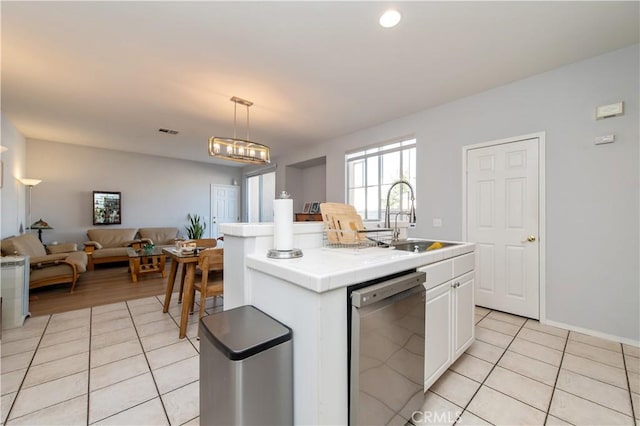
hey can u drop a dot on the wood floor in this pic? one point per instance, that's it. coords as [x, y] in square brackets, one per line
[107, 284]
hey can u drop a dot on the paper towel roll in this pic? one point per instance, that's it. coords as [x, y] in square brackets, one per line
[283, 224]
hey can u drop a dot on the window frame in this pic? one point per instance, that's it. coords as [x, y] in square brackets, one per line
[259, 174]
[400, 145]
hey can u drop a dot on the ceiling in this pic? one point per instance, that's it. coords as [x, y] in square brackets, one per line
[110, 74]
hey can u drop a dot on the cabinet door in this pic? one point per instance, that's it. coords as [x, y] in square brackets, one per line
[463, 313]
[438, 331]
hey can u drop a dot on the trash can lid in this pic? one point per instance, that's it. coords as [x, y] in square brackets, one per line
[244, 331]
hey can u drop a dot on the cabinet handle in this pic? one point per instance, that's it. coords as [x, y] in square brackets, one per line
[456, 284]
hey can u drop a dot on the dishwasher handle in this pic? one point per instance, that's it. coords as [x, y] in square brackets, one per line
[386, 289]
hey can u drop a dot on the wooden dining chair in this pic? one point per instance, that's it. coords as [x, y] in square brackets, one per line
[206, 242]
[200, 243]
[210, 262]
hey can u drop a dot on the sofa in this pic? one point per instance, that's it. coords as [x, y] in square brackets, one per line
[163, 237]
[110, 245]
[55, 265]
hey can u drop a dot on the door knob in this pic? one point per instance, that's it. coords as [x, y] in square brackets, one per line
[531, 238]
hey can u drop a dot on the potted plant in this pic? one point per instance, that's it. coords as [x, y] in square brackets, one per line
[196, 227]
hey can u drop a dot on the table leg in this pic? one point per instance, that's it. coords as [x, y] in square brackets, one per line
[170, 281]
[188, 297]
[134, 266]
[183, 272]
[163, 260]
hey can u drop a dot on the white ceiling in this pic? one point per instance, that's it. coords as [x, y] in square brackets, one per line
[110, 74]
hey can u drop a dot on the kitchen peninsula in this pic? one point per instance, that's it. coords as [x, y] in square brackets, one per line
[309, 294]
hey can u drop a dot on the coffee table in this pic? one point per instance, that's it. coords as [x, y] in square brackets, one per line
[144, 261]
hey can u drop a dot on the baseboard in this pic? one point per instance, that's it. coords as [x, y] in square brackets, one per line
[592, 332]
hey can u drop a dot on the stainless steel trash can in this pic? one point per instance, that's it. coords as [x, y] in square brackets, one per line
[246, 369]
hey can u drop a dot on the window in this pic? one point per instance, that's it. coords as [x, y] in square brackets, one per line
[372, 171]
[261, 190]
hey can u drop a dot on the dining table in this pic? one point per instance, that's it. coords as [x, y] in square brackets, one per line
[189, 261]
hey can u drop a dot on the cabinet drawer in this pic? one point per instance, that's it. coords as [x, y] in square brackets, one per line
[437, 273]
[463, 264]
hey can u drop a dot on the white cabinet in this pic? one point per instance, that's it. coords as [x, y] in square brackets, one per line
[462, 314]
[14, 276]
[449, 328]
[438, 331]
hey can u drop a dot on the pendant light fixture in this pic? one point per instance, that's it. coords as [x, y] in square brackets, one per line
[234, 149]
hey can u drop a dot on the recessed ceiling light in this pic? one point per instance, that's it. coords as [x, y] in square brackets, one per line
[390, 18]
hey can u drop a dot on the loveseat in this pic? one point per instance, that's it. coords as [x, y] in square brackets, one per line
[110, 245]
[61, 264]
[163, 237]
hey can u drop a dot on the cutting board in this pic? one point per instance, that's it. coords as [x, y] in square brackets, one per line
[342, 223]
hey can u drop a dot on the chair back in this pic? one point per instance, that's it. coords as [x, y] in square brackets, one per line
[211, 259]
[206, 242]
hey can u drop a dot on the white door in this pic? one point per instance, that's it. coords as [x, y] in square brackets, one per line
[502, 218]
[224, 206]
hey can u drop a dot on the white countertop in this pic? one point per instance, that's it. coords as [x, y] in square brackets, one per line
[240, 229]
[324, 269]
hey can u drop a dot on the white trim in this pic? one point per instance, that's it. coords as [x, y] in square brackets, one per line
[260, 171]
[398, 139]
[542, 240]
[594, 333]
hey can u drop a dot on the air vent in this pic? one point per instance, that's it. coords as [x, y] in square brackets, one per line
[169, 131]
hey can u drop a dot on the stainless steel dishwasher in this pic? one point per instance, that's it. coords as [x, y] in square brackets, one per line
[386, 347]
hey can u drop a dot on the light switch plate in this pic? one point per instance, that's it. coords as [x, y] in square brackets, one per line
[605, 139]
[437, 222]
[611, 110]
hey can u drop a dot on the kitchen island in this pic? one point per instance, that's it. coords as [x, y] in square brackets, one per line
[309, 294]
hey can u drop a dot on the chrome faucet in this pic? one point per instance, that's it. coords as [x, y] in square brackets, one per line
[411, 213]
[396, 230]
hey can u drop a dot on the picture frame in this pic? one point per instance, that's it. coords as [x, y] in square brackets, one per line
[306, 208]
[107, 208]
[315, 208]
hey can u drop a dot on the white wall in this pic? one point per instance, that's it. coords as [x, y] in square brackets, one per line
[294, 186]
[314, 183]
[305, 184]
[12, 194]
[592, 271]
[156, 191]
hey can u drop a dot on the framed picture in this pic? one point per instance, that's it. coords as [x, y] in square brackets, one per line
[315, 208]
[306, 208]
[107, 208]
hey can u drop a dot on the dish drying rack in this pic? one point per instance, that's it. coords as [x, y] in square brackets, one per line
[344, 229]
[357, 239]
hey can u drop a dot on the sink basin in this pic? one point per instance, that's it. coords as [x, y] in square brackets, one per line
[419, 246]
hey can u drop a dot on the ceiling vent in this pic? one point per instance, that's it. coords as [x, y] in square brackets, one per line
[169, 131]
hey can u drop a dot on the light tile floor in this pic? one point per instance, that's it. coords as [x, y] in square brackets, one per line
[119, 364]
[124, 364]
[520, 372]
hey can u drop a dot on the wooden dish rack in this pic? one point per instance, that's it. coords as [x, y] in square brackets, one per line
[344, 229]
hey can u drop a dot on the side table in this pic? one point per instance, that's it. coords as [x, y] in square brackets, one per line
[143, 261]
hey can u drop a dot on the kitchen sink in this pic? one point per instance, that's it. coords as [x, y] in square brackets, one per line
[419, 246]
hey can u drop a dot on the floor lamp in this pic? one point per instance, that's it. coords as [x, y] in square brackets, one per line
[30, 183]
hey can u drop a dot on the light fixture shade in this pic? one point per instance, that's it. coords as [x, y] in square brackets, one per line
[40, 224]
[30, 182]
[239, 150]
